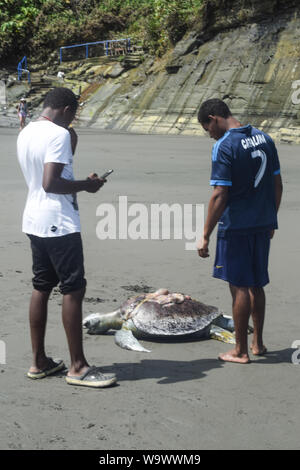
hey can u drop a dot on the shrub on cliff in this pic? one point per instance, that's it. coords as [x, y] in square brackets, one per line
[36, 27]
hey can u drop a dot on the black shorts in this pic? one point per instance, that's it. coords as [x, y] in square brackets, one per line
[58, 260]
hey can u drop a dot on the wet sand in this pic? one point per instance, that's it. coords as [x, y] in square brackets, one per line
[179, 396]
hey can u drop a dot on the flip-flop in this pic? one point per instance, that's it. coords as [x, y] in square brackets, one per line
[54, 366]
[92, 378]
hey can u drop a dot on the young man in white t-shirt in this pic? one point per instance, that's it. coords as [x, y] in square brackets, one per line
[51, 221]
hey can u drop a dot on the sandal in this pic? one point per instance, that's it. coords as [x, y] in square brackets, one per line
[53, 366]
[92, 378]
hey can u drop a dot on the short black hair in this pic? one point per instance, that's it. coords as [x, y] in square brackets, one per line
[213, 107]
[60, 98]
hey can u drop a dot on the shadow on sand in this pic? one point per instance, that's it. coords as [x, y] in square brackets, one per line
[276, 357]
[168, 372]
[165, 371]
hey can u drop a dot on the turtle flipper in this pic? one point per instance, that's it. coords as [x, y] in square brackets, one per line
[125, 339]
[221, 335]
[226, 322]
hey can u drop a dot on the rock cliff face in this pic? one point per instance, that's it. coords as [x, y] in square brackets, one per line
[245, 52]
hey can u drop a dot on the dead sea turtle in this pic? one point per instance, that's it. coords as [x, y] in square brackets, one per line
[161, 314]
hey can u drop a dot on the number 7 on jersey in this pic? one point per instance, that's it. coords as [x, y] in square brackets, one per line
[260, 154]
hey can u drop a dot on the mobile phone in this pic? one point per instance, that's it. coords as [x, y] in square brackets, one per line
[108, 172]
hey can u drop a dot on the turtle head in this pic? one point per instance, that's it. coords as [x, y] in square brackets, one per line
[100, 323]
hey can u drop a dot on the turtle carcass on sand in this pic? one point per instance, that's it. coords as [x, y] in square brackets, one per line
[161, 315]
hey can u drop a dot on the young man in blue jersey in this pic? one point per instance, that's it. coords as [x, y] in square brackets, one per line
[245, 200]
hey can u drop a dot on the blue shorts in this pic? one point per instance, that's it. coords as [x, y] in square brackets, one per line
[242, 260]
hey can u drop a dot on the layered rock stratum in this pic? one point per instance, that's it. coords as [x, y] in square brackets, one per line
[245, 52]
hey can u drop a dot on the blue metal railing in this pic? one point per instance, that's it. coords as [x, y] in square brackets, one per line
[20, 69]
[87, 44]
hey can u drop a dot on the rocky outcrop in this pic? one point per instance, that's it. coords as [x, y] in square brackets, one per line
[245, 52]
[253, 67]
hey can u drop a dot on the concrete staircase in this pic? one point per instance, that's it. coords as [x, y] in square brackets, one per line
[39, 88]
[134, 59]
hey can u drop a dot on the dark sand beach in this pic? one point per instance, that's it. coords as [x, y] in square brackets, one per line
[179, 396]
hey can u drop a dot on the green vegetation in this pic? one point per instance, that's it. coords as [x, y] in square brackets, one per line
[36, 27]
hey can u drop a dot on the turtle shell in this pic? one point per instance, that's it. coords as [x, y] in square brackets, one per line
[153, 318]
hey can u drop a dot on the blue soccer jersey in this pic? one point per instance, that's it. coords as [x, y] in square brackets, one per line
[245, 159]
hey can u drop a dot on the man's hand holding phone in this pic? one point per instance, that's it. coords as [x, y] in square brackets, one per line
[95, 183]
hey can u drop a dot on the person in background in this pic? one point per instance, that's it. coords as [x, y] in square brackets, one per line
[22, 109]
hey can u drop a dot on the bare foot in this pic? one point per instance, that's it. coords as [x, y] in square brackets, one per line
[258, 350]
[232, 356]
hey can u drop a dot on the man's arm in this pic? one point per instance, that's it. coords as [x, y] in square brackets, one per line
[216, 208]
[278, 195]
[54, 183]
[278, 190]
[74, 139]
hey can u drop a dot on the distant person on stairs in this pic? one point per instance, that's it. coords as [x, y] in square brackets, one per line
[22, 109]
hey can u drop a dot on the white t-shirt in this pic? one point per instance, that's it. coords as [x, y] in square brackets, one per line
[47, 214]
